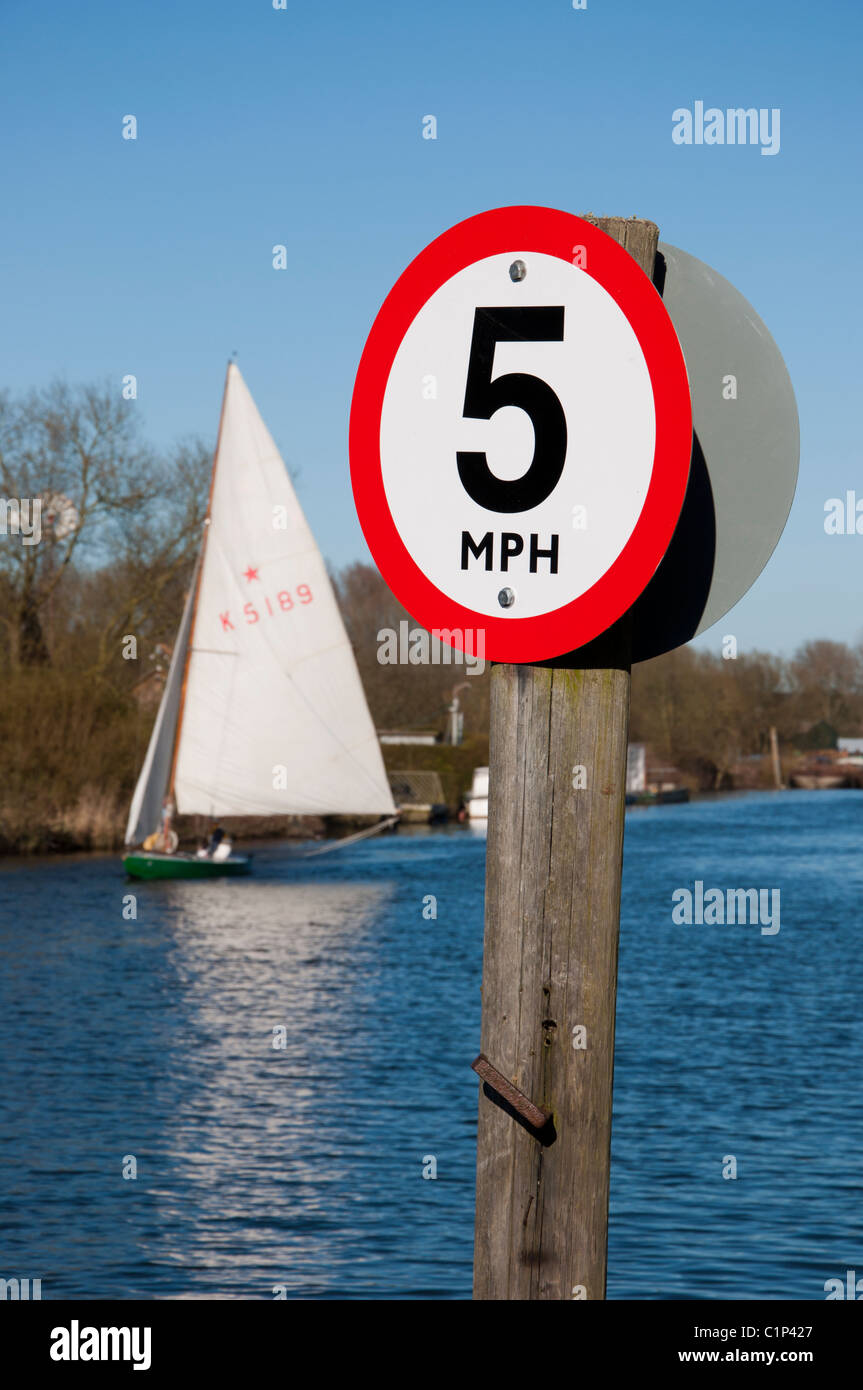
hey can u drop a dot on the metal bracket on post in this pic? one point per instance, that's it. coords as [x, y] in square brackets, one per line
[537, 1118]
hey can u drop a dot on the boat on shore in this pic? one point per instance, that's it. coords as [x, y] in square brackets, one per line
[263, 712]
[818, 781]
[476, 800]
[658, 796]
[650, 785]
[645, 794]
[419, 797]
[828, 770]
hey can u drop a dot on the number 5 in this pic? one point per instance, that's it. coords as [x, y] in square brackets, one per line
[483, 397]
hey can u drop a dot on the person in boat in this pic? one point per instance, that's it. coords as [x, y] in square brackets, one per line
[217, 847]
[164, 840]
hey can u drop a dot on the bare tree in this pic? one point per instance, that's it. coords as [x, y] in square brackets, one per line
[403, 695]
[101, 500]
[828, 684]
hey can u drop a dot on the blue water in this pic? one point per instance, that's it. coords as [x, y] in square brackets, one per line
[262, 1166]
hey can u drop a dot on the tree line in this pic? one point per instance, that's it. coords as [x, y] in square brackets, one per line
[699, 710]
[120, 527]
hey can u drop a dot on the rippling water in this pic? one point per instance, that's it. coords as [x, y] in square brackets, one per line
[301, 1166]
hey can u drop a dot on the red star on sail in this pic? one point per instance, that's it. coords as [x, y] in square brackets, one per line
[250, 574]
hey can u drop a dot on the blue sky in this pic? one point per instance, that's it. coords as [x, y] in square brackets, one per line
[303, 127]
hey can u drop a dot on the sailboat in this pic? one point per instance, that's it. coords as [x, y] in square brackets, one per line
[263, 712]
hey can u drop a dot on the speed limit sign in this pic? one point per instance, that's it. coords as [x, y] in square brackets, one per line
[520, 433]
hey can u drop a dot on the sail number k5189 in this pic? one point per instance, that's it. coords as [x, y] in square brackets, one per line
[284, 602]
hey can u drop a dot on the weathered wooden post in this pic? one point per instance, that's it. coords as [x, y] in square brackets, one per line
[555, 854]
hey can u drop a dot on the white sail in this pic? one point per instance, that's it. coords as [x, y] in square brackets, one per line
[152, 785]
[274, 720]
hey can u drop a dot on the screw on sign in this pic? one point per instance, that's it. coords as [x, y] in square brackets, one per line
[521, 432]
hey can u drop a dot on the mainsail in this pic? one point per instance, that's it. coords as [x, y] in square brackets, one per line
[273, 720]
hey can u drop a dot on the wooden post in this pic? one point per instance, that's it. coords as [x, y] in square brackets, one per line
[555, 850]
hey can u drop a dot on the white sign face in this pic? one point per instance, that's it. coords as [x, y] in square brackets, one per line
[596, 379]
[521, 432]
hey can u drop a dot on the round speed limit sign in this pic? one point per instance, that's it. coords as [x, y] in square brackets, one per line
[520, 433]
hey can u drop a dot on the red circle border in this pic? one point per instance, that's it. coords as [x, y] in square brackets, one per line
[555, 233]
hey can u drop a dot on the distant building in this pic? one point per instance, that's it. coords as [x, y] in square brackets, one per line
[393, 736]
[648, 781]
[636, 768]
[850, 745]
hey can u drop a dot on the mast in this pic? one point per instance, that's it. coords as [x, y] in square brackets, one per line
[197, 593]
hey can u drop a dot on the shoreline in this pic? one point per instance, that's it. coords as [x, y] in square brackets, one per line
[261, 830]
[57, 838]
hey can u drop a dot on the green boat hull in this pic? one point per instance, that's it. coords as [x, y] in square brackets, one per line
[155, 865]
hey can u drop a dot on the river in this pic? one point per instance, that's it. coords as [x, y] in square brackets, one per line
[277, 1059]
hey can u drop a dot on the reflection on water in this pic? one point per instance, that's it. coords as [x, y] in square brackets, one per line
[300, 1164]
[297, 1164]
